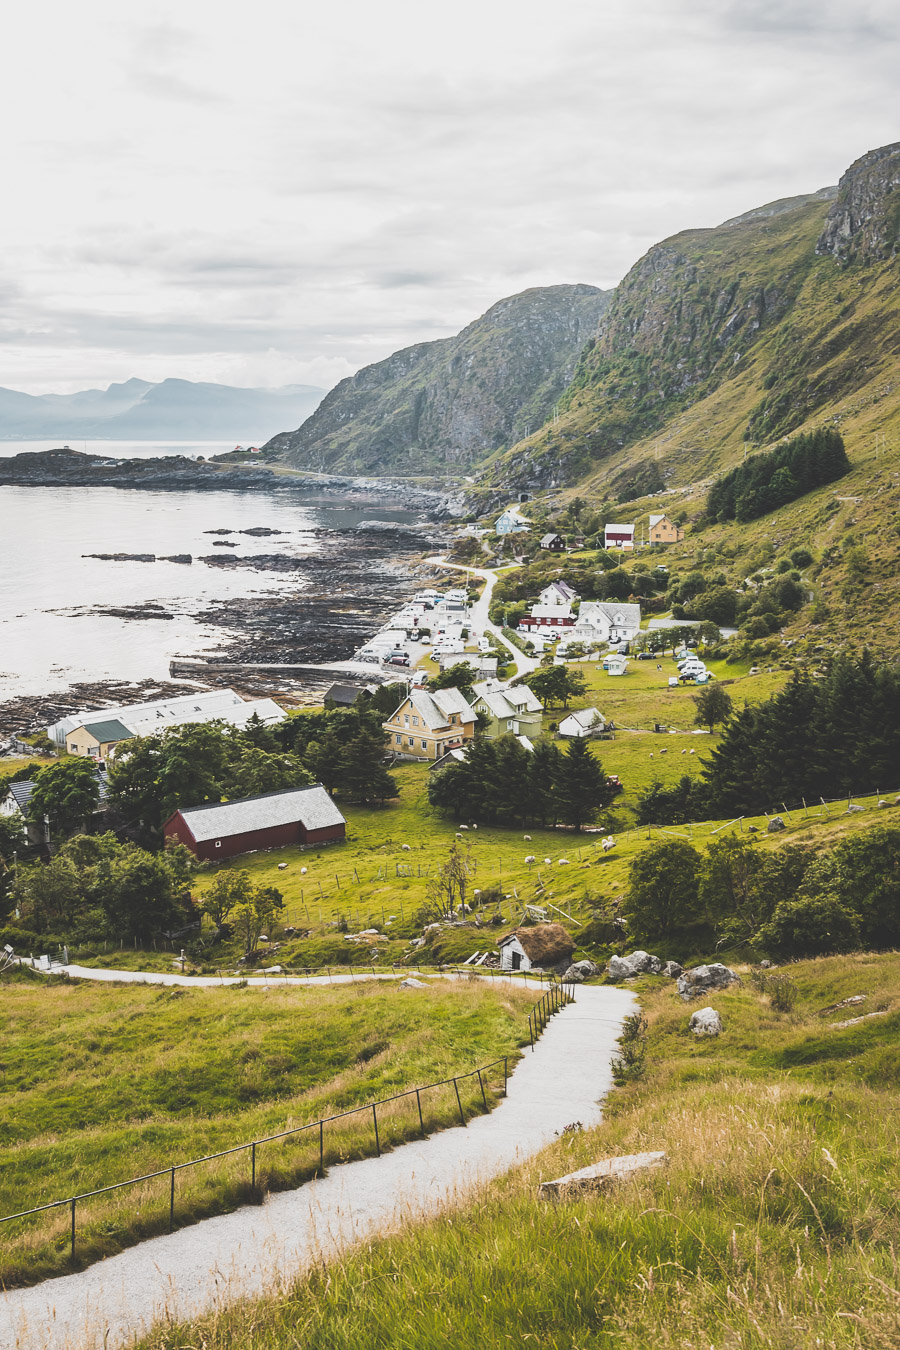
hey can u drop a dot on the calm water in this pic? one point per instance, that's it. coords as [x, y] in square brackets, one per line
[47, 642]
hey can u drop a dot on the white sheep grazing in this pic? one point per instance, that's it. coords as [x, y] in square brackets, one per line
[692, 752]
[474, 827]
[458, 835]
[463, 827]
[282, 866]
[563, 862]
[527, 838]
[303, 871]
[405, 847]
[651, 754]
[548, 861]
[530, 859]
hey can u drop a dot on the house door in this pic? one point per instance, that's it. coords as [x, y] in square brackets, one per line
[516, 960]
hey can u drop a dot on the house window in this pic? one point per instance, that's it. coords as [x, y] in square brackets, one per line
[412, 740]
[424, 745]
[509, 725]
[399, 740]
[406, 720]
[415, 721]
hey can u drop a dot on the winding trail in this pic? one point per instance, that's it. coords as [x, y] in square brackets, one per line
[258, 1249]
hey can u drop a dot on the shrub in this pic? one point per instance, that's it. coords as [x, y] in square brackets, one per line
[628, 1066]
[811, 925]
[781, 989]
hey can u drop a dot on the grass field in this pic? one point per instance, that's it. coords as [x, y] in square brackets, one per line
[773, 1226]
[102, 1083]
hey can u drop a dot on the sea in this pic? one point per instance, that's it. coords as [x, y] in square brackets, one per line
[51, 636]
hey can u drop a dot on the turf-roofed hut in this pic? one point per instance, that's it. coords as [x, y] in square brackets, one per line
[541, 946]
[303, 816]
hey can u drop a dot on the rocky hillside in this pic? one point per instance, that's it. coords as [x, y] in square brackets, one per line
[449, 404]
[717, 338]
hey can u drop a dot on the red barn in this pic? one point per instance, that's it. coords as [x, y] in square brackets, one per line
[304, 816]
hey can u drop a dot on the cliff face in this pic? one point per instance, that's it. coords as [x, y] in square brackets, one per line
[448, 404]
[774, 320]
[864, 223]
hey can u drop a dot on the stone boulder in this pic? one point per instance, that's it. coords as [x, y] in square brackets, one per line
[638, 963]
[696, 982]
[619, 968]
[672, 969]
[412, 983]
[775, 824]
[580, 970]
[705, 1022]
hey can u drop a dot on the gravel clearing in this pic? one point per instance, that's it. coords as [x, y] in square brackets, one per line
[258, 1249]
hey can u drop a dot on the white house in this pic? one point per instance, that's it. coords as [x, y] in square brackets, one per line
[615, 664]
[510, 522]
[583, 724]
[606, 621]
[558, 593]
[618, 536]
[515, 709]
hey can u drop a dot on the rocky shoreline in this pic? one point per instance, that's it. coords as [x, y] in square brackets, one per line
[176, 473]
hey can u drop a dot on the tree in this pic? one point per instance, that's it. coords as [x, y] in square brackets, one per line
[228, 888]
[555, 684]
[12, 840]
[49, 895]
[364, 777]
[254, 915]
[713, 706]
[142, 894]
[662, 901]
[461, 676]
[384, 700]
[448, 887]
[580, 787]
[257, 771]
[68, 792]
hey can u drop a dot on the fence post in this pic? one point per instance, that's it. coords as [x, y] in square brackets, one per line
[459, 1103]
[172, 1201]
[375, 1123]
[481, 1085]
[505, 1073]
[73, 1228]
[321, 1148]
[421, 1121]
[253, 1165]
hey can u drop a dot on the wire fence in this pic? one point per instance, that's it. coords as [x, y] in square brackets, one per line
[552, 1001]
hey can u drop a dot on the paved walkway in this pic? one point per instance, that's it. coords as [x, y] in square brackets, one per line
[480, 622]
[255, 1249]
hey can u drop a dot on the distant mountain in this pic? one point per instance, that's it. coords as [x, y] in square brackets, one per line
[451, 403]
[174, 410]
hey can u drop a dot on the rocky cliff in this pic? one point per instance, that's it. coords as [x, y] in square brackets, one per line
[448, 404]
[776, 319]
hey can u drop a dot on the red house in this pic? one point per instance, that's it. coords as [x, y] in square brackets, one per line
[304, 816]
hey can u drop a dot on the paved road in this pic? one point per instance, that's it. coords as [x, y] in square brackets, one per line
[213, 1263]
[480, 610]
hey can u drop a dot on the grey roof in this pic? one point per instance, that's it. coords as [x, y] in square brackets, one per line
[113, 730]
[21, 794]
[346, 694]
[549, 538]
[310, 806]
[435, 708]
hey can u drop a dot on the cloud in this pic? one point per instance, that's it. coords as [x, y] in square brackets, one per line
[288, 190]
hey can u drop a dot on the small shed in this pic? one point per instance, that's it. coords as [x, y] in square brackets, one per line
[542, 946]
[554, 542]
[306, 816]
[583, 724]
[342, 695]
[98, 739]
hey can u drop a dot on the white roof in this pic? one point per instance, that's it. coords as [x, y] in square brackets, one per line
[654, 520]
[165, 711]
[311, 806]
[551, 611]
[586, 717]
[600, 613]
[619, 529]
[238, 715]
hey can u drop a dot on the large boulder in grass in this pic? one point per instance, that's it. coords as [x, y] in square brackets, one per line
[581, 970]
[673, 970]
[706, 1022]
[696, 982]
[638, 963]
[619, 968]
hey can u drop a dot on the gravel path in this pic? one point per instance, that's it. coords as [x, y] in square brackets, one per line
[256, 1248]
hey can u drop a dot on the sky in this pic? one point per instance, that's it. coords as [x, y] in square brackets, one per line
[279, 193]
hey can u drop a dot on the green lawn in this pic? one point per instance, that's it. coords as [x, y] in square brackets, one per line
[774, 1224]
[106, 1082]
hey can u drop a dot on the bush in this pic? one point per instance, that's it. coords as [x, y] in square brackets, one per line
[628, 1066]
[811, 925]
[781, 989]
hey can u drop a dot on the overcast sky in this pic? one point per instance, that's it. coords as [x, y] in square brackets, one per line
[278, 192]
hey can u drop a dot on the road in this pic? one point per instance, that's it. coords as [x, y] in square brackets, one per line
[260, 1248]
[480, 610]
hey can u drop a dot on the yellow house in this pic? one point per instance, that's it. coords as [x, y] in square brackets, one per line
[664, 531]
[427, 725]
[97, 739]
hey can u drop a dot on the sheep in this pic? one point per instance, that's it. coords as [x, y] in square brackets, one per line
[458, 835]
[282, 866]
[547, 862]
[692, 752]
[527, 838]
[530, 859]
[563, 862]
[463, 827]
[474, 827]
[303, 871]
[405, 847]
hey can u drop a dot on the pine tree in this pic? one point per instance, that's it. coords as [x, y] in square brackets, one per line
[581, 787]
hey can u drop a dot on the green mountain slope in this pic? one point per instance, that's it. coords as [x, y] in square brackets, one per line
[722, 338]
[450, 404]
